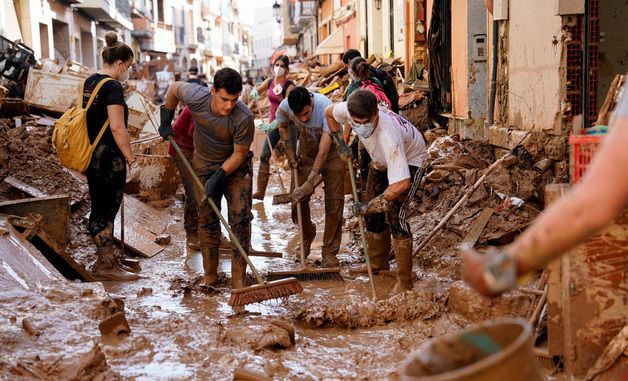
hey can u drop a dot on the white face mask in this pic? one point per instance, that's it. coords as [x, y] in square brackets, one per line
[363, 130]
[125, 75]
[279, 71]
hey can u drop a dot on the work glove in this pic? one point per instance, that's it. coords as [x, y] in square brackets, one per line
[165, 127]
[254, 94]
[215, 182]
[377, 205]
[294, 161]
[269, 126]
[305, 190]
[341, 146]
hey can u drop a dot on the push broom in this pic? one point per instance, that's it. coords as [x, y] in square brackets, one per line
[305, 273]
[362, 229]
[263, 290]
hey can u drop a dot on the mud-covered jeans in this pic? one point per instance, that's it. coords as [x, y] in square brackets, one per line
[237, 190]
[333, 172]
[190, 211]
[106, 176]
[375, 185]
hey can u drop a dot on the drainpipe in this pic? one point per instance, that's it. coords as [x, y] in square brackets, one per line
[491, 102]
[585, 67]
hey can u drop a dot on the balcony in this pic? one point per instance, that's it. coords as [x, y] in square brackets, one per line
[304, 13]
[344, 13]
[213, 49]
[107, 11]
[142, 8]
[142, 28]
[163, 40]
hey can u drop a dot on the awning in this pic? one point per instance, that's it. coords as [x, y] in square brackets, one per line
[333, 44]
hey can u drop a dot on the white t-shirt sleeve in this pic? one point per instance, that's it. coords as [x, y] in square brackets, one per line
[395, 156]
[283, 112]
[341, 113]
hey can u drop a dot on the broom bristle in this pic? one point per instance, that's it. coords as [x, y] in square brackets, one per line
[260, 292]
[285, 198]
[306, 275]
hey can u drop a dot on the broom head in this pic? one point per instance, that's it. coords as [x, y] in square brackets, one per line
[306, 275]
[264, 291]
[284, 198]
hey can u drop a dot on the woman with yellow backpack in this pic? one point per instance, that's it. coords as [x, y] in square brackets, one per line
[107, 116]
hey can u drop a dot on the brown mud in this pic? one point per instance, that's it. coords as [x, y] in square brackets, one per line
[179, 330]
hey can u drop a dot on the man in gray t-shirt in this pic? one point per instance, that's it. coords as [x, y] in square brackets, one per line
[223, 134]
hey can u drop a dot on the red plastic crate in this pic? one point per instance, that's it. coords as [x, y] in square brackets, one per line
[583, 149]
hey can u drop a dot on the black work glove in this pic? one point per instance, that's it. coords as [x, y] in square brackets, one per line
[214, 183]
[165, 128]
[341, 146]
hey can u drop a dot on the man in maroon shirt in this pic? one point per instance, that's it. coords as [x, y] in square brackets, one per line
[183, 134]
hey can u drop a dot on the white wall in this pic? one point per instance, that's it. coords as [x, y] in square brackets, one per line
[533, 64]
[265, 36]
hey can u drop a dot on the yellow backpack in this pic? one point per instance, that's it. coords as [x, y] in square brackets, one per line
[70, 137]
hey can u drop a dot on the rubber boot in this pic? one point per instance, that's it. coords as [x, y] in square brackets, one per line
[309, 233]
[263, 173]
[403, 256]
[210, 266]
[379, 248]
[191, 238]
[330, 260]
[106, 266]
[238, 273]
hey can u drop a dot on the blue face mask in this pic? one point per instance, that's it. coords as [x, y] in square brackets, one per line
[363, 130]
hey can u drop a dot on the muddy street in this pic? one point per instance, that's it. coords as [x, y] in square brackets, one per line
[180, 330]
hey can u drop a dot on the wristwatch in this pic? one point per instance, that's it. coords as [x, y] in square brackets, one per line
[500, 272]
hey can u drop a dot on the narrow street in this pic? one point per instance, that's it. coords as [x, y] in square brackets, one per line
[414, 190]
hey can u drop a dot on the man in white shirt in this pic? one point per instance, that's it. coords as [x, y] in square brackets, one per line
[398, 152]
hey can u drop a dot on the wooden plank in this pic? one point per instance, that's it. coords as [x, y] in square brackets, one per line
[227, 250]
[555, 322]
[21, 264]
[55, 211]
[478, 226]
[22, 186]
[143, 224]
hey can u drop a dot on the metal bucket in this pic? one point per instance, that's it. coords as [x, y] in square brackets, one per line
[491, 351]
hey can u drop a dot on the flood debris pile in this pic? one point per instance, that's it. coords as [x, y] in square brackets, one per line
[333, 80]
[496, 212]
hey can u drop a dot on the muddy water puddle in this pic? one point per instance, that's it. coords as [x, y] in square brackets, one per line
[181, 332]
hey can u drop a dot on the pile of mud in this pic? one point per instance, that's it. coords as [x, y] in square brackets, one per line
[409, 306]
[50, 333]
[26, 153]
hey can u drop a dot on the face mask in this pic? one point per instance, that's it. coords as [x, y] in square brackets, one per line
[279, 71]
[363, 130]
[125, 75]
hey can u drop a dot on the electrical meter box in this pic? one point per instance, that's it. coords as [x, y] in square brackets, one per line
[479, 47]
